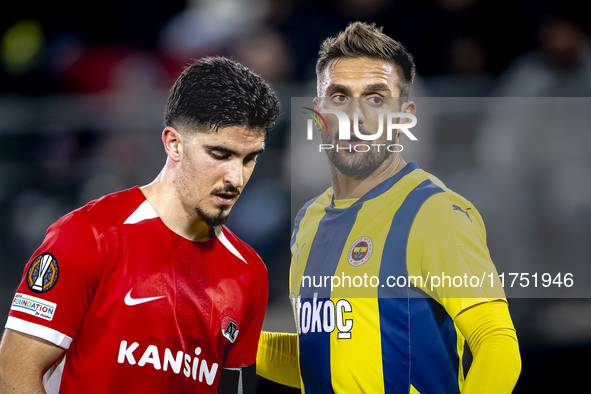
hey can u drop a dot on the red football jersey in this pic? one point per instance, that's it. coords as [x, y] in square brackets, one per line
[138, 307]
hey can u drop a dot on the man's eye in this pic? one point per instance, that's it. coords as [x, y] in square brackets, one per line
[375, 100]
[339, 99]
[250, 159]
[218, 156]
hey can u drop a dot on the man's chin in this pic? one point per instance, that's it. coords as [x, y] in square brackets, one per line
[353, 168]
[214, 220]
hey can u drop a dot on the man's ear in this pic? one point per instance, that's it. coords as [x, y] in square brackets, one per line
[409, 107]
[173, 142]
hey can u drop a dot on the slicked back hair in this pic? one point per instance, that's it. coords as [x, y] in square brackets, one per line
[216, 92]
[363, 40]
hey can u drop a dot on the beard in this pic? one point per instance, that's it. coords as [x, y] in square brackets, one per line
[223, 213]
[355, 164]
[213, 220]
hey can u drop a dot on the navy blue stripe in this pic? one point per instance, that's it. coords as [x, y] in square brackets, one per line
[384, 186]
[328, 244]
[434, 357]
[394, 254]
[325, 252]
[315, 356]
[394, 302]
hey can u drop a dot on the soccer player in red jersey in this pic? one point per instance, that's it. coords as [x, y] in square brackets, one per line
[145, 290]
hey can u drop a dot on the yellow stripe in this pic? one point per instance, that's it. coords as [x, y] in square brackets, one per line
[413, 390]
[356, 363]
[307, 230]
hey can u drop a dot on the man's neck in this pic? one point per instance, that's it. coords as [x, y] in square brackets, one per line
[161, 194]
[345, 187]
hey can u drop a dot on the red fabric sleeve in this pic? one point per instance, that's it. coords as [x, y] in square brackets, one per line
[52, 306]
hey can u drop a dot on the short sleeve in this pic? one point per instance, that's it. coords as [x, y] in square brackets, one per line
[243, 352]
[447, 249]
[58, 282]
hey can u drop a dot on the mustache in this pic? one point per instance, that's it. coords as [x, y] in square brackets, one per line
[228, 189]
[360, 128]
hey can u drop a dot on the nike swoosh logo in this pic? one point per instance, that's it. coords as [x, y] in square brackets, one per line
[136, 301]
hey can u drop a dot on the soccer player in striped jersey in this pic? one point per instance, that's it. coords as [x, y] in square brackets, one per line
[388, 232]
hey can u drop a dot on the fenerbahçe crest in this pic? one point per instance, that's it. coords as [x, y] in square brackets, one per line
[43, 272]
[360, 251]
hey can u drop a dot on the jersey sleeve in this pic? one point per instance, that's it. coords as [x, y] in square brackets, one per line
[58, 282]
[492, 339]
[447, 250]
[277, 358]
[243, 351]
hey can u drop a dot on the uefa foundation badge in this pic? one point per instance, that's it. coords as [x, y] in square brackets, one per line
[360, 251]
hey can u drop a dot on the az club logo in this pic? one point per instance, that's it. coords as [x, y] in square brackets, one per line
[230, 328]
[360, 251]
[43, 273]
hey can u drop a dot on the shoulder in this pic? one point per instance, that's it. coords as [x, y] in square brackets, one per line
[445, 204]
[314, 207]
[102, 214]
[113, 209]
[82, 228]
[241, 249]
[320, 201]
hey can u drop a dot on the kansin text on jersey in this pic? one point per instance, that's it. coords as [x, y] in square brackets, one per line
[152, 355]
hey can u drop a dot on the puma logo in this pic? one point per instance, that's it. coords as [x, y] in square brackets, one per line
[457, 208]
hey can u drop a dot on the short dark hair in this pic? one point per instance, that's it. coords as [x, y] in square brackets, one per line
[216, 92]
[363, 40]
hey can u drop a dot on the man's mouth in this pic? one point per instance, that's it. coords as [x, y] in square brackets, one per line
[352, 141]
[226, 198]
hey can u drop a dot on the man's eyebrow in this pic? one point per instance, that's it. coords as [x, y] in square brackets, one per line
[227, 150]
[377, 87]
[337, 88]
[256, 152]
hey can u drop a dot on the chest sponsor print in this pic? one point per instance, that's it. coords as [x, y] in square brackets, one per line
[179, 362]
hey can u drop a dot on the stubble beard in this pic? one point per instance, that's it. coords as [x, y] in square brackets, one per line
[355, 164]
[216, 217]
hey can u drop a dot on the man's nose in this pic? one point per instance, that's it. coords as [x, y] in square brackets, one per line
[234, 174]
[355, 110]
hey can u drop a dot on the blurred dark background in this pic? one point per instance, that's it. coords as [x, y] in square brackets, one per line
[83, 88]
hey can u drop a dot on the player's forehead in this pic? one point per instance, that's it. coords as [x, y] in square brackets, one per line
[358, 75]
[237, 138]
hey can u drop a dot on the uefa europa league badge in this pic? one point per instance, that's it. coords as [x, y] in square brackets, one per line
[42, 273]
[360, 251]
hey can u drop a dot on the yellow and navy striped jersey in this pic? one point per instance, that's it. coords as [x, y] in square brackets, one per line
[362, 282]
